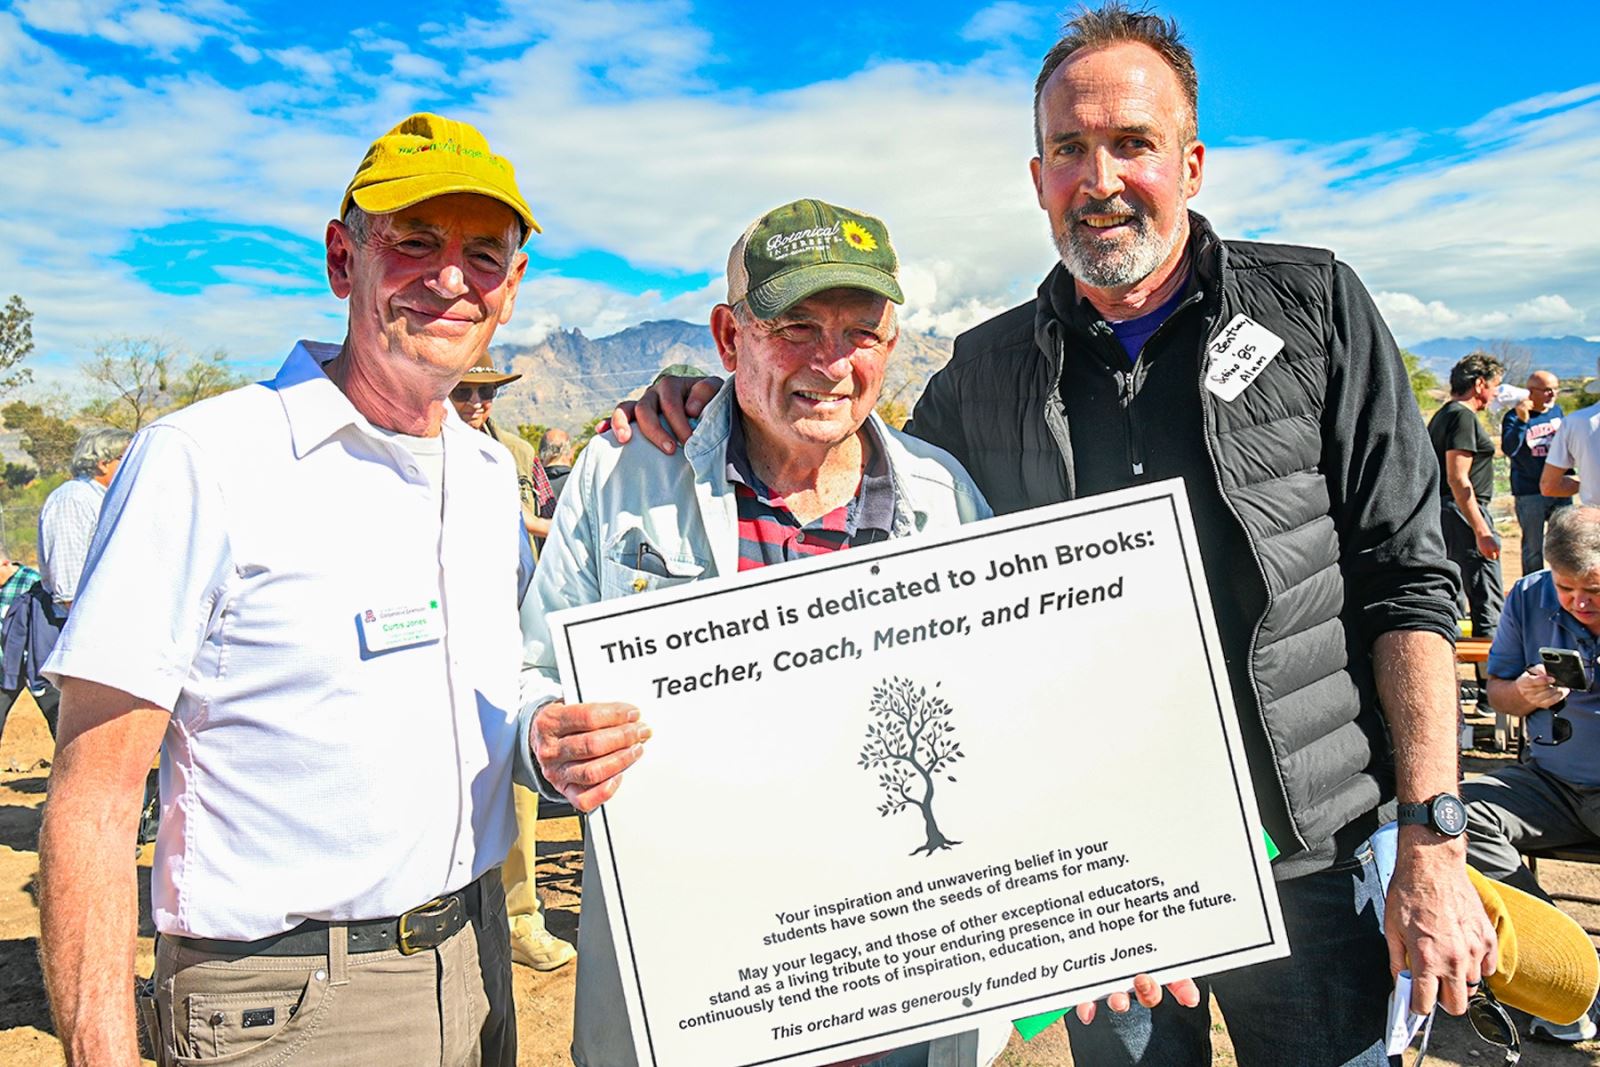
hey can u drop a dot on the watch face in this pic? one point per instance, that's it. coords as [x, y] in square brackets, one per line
[1449, 815]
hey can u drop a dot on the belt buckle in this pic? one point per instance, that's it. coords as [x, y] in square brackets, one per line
[437, 908]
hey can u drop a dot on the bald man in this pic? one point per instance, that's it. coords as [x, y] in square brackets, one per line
[1525, 436]
[555, 452]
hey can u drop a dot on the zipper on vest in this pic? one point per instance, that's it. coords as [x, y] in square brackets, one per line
[1128, 383]
[1054, 409]
[1266, 586]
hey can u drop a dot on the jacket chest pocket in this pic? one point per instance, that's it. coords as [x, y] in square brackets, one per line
[631, 564]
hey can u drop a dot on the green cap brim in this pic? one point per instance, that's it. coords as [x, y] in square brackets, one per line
[778, 294]
[397, 194]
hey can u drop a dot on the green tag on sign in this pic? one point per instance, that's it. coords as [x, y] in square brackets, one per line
[1034, 1025]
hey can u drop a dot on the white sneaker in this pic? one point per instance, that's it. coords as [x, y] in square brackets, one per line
[1582, 1030]
[534, 946]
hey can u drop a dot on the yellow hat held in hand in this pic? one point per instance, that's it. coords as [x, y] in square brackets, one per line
[428, 156]
[1548, 966]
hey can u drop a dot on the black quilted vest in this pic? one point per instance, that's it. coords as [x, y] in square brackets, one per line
[1317, 745]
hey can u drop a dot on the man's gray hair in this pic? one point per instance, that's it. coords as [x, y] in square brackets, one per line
[1572, 540]
[554, 445]
[359, 223]
[97, 447]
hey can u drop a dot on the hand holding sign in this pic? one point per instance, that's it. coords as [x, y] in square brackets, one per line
[582, 749]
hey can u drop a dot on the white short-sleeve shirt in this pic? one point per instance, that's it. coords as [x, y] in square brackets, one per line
[1576, 446]
[304, 775]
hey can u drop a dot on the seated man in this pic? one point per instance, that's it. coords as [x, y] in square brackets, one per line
[1553, 798]
[788, 460]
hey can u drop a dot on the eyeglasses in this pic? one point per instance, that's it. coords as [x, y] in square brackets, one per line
[1493, 1024]
[462, 394]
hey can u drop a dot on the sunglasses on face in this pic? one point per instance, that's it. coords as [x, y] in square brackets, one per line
[462, 394]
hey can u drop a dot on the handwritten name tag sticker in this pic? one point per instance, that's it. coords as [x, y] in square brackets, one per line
[1238, 355]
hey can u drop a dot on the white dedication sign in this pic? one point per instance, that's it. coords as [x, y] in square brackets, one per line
[898, 791]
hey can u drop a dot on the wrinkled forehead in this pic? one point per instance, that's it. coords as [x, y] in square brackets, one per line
[858, 304]
[1108, 81]
[474, 217]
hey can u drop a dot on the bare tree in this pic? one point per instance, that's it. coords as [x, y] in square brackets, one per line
[1517, 360]
[203, 377]
[910, 742]
[133, 370]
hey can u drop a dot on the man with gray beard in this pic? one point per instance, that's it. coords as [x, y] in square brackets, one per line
[1263, 376]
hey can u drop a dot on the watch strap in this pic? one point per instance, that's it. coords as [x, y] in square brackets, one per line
[1427, 814]
[1420, 814]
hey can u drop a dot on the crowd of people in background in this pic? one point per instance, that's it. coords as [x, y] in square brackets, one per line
[1549, 798]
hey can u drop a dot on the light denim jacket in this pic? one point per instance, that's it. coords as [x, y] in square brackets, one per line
[619, 498]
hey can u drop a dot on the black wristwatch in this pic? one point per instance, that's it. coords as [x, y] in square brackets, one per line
[1444, 814]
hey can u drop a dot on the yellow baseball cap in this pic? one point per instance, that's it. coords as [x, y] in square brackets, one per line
[1548, 966]
[427, 156]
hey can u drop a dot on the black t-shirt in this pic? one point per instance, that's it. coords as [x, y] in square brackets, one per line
[1454, 427]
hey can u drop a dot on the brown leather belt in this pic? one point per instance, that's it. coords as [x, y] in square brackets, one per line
[423, 927]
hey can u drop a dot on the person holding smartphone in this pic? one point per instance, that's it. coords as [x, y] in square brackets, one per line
[1542, 668]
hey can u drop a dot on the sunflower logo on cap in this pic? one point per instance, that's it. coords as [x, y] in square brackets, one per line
[858, 237]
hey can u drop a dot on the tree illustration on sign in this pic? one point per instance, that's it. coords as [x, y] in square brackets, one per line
[909, 742]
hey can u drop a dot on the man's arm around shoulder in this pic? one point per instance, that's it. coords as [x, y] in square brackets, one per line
[88, 899]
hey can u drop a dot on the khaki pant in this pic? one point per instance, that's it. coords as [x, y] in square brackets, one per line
[371, 1009]
[517, 875]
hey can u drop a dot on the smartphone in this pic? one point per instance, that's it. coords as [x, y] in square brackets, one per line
[1566, 667]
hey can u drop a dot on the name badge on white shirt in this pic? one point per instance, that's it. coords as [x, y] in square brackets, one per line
[1238, 356]
[384, 629]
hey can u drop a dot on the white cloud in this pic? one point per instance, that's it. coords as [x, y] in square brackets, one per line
[1486, 232]
[164, 29]
[1495, 123]
[622, 147]
[1002, 22]
[1413, 320]
[314, 63]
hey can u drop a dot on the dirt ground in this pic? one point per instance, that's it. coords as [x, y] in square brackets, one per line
[544, 1001]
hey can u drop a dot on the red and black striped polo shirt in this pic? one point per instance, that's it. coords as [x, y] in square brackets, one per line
[769, 532]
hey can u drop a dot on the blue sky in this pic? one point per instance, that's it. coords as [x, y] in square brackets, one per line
[173, 164]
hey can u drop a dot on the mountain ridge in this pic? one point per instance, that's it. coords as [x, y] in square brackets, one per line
[569, 378]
